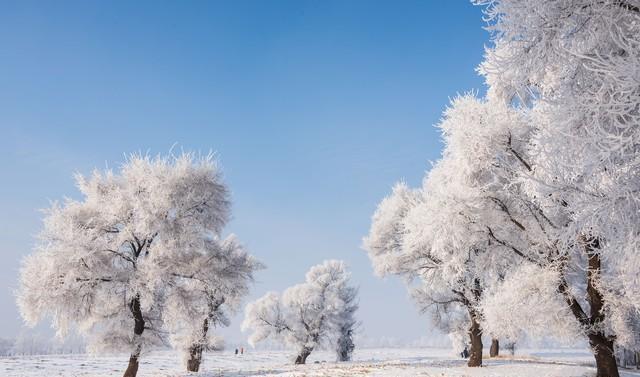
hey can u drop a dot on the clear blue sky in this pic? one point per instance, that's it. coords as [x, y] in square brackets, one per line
[316, 108]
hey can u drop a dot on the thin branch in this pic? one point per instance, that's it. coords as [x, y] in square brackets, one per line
[516, 154]
[504, 209]
[123, 256]
[513, 248]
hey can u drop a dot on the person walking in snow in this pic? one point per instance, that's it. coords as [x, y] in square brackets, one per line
[465, 353]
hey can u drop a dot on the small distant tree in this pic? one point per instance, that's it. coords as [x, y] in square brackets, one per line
[110, 262]
[307, 315]
[346, 323]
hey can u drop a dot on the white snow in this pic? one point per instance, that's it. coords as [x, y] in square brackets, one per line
[386, 362]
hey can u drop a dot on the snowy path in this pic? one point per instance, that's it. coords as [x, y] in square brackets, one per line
[370, 362]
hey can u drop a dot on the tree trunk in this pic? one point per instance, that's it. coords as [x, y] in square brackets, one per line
[195, 358]
[138, 329]
[195, 351]
[132, 368]
[605, 359]
[475, 335]
[475, 332]
[494, 351]
[601, 345]
[302, 356]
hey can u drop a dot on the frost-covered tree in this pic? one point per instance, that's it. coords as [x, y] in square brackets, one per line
[408, 239]
[346, 323]
[110, 262]
[458, 235]
[207, 284]
[315, 313]
[541, 176]
[574, 64]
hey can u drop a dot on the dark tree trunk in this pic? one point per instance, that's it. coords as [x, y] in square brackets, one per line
[138, 329]
[302, 356]
[195, 351]
[494, 351]
[195, 358]
[601, 345]
[475, 335]
[605, 359]
[475, 332]
[132, 368]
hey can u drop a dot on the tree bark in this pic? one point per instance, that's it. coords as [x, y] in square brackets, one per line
[138, 329]
[605, 359]
[475, 335]
[195, 358]
[195, 351]
[475, 332]
[302, 356]
[601, 344]
[132, 368]
[494, 351]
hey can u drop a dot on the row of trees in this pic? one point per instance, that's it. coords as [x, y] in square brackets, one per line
[318, 312]
[529, 221]
[139, 260]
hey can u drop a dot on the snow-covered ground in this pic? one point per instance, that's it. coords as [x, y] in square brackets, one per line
[367, 362]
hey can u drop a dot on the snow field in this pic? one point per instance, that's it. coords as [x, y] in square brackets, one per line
[391, 362]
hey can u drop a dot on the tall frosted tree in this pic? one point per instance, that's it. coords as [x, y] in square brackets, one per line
[112, 262]
[456, 235]
[318, 312]
[543, 174]
[574, 67]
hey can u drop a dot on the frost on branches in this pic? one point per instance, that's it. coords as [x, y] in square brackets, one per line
[139, 257]
[207, 284]
[536, 194]
[458, 235]
[576, 66]
[318, 312]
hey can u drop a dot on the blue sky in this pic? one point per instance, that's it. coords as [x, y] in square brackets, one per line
[315, 108]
